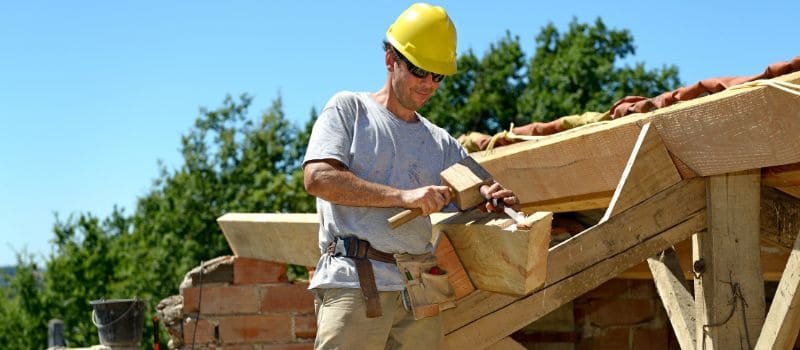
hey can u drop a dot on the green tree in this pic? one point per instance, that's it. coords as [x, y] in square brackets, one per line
[231, 163]
[569, 73]
[578, 72]
[234, 163]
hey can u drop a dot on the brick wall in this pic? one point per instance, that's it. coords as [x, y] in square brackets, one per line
[242, 304]
[619, 314]
[249, 304]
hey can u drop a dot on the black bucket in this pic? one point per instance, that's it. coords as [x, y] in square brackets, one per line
[119, 321]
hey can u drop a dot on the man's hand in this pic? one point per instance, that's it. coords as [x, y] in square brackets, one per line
[495, 191]
[428, 199]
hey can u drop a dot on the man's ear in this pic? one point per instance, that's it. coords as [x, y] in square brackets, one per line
[389, 60]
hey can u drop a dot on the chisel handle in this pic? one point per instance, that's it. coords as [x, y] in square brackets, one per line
[403, 217]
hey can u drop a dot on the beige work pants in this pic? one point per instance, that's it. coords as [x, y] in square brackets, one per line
[342, 323]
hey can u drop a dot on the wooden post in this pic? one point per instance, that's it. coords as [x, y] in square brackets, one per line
[729, 290]
[677, 300]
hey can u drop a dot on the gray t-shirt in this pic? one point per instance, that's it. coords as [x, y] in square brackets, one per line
[378, 147]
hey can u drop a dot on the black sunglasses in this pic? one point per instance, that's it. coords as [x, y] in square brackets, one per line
[417, 71]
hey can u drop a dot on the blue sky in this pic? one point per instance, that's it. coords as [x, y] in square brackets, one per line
[94, 93]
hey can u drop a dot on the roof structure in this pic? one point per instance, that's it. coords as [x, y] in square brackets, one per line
[706, 171]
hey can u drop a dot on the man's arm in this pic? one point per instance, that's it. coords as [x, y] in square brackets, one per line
[330, 180]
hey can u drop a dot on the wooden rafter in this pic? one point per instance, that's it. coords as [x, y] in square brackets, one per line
[584, 262]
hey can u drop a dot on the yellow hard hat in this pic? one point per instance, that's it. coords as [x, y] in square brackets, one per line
[425, 35]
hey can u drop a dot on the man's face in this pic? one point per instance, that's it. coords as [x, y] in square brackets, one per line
[412, 92]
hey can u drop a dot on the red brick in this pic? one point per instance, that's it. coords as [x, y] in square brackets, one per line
[614, 288]
[255, 328]
[287, 298]
[620, 312]
[292, 346]
[642, 289]
[205, 332]
[611, 339]
[254, 271]
[221, 300]
[651, 339]
[305, 326]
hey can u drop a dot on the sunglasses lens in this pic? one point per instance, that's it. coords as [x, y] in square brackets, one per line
[419, 72]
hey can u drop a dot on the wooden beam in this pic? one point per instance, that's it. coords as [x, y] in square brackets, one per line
[725, 132]
[734, 130]
[595, 244]
[649, 170]
[287, 238]
[585, 160]
[496, 259]
[675, 295]
[279, 237]
[783, 320]
[570, 204]
[491, 328]
[506, 344]
[626, 230]
[729, 294]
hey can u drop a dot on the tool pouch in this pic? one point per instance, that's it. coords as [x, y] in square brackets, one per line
[429, 293]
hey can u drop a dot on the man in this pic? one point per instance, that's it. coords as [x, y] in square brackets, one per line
[370, 156]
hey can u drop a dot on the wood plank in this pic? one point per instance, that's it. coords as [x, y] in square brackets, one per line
[649, 170]
[489, 329]
[734, 130]
[729, 131]
[279, 237]
[498, 260]
[585, 160]
[570, 204]
[781, 176]
[678, 301]
[729, 294]
[288, 238]
[595, 244]
[627, 229]
[783, 319]
[472, 307]
[506, 344]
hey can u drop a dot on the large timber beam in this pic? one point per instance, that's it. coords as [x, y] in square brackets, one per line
[584, 262]
[492, 327]
[783, 177]
[649, 170]
[729, 292]
[725, 132]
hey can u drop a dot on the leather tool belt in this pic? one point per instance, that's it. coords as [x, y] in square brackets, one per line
[427, 286]
[361, 252]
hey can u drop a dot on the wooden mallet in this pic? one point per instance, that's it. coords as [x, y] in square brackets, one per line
[465, 179]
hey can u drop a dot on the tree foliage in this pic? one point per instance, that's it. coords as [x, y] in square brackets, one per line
[570, 73]
[235, 163]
